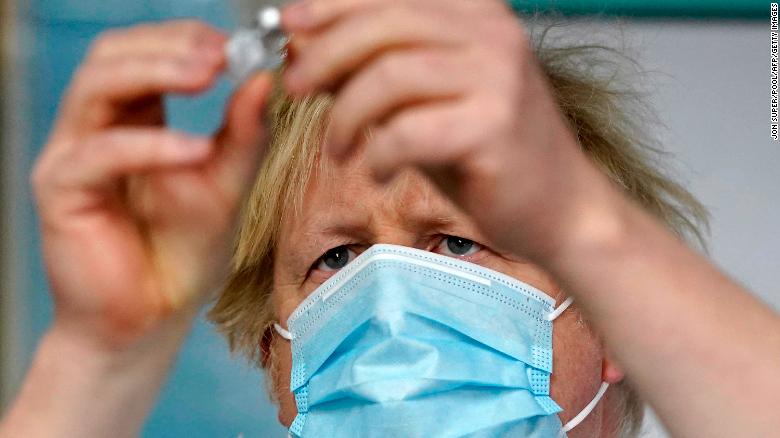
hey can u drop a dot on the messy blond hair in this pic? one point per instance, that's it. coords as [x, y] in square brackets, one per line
[606, 114]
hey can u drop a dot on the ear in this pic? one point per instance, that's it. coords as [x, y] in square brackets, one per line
[611, 372]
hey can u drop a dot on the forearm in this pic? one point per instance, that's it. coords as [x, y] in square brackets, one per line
[75, 389]
[697, 346]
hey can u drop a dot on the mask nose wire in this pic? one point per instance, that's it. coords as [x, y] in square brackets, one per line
[560, 309]
[550, 317]
[283, 332]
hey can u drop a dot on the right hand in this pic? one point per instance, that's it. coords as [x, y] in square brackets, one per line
[137, 220]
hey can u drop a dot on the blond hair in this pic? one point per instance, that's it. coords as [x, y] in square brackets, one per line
[607, 116]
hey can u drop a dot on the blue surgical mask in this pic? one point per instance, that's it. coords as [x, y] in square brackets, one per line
[407, 343]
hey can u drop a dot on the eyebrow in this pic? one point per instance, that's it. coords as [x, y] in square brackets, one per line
[313, 241]
[341, 229]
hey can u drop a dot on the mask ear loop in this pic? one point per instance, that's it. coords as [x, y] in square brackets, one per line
[560, 309]
[579, 418]
[282, 332]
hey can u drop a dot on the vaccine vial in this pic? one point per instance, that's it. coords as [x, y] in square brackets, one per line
[260, 47]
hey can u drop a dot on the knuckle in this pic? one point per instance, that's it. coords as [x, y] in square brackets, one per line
[505, 32]
[194, 34]
[109, 147]
[431, 63]
[498, 113]
[86, 73]
[91, 80]
[453, 133]
[162, 140]
[76, 157]
[152, 71]
[387, 70]
[45, 169]
[443, 135]
[101, 143]
[406, 133]
[39, 177]
[104, 42]
[501, 110]
[165, 68]
[88, 84]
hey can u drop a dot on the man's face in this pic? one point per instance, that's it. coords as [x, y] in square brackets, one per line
[345, 211]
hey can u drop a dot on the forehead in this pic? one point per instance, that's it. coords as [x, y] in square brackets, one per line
[342, 199]
[346, 193]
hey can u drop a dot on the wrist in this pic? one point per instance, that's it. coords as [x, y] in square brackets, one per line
[77, 349]
[78, 387]
[597, 222]
[118, 340]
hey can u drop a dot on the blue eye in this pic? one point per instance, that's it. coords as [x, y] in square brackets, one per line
[458, 246]
[335, 258]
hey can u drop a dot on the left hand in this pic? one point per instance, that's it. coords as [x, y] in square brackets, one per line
[451, 87]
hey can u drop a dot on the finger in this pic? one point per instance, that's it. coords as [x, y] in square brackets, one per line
[352, 41]
[307, 15]
[180, 38]
[304, 15]
[394, 81]
[242, 138]
[105, 157]
[101, 90]
[429, 135]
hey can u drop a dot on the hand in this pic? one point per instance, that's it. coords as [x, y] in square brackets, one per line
[137, 219]
[451, 87]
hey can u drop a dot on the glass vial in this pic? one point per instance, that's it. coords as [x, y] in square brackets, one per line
[260, 47]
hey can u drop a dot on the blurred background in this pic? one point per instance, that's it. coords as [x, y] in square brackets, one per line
[710, 87]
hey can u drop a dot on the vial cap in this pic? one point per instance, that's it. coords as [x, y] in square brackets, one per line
[269, 18]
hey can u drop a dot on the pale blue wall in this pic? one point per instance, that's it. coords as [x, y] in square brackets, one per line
[209, 394]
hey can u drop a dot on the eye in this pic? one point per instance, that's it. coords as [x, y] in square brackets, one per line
[335, 258]
[455, 246]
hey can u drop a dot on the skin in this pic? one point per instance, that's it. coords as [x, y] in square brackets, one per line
[352, 209]
[137, 219]
[163, 205]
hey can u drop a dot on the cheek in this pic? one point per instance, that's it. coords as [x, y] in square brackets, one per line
[281, 364]
[577, 362]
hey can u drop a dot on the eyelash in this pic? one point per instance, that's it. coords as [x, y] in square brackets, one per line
[321, 261]
[444, 242]
[317, 268]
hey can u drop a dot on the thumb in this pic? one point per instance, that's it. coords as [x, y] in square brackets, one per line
[242, 138]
